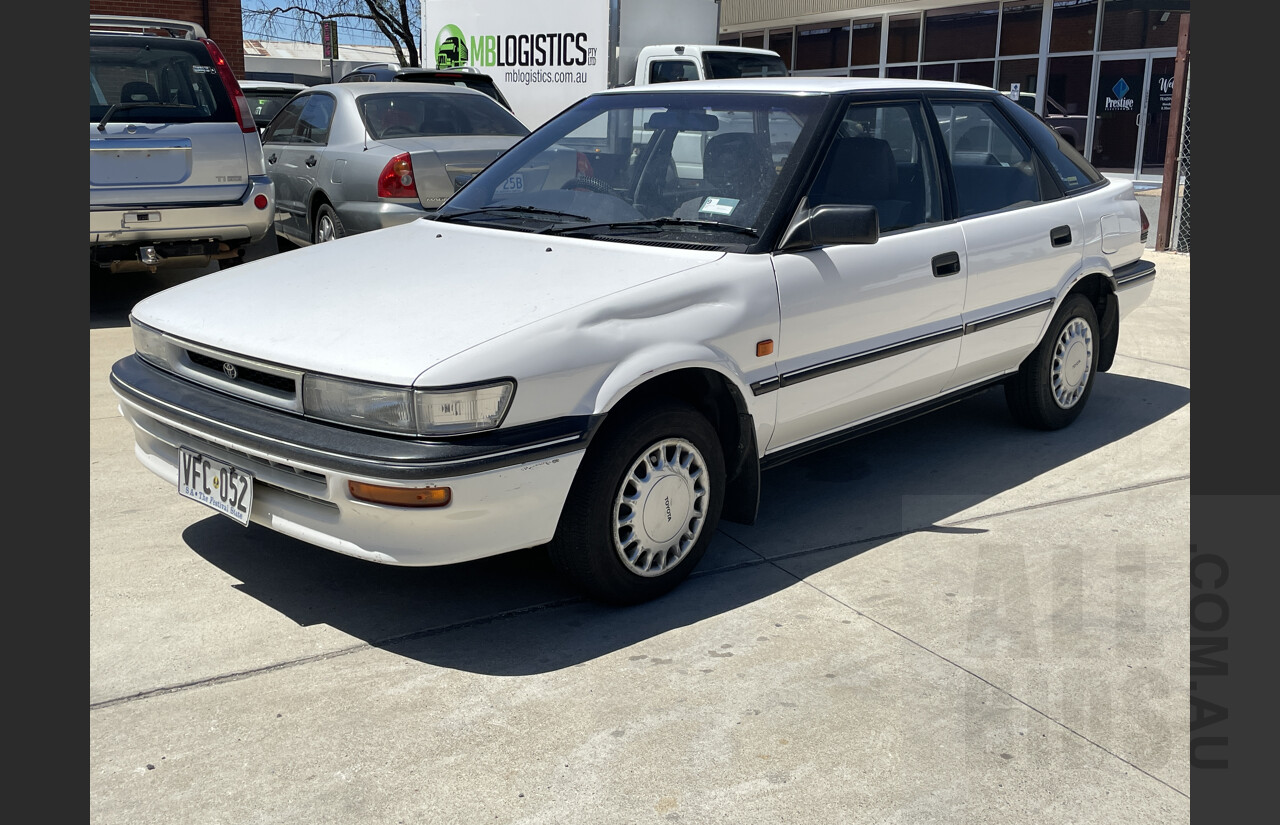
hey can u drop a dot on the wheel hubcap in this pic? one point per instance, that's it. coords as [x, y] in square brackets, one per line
[1072, 360]
[660, 507]
[324, 230]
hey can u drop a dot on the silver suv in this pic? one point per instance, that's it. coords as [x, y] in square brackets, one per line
[176, 175]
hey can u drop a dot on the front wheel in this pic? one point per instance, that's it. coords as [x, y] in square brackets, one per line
[643, 506]
[328, 225]
[1051, 387]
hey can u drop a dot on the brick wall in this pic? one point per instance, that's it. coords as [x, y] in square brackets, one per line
[220, 18]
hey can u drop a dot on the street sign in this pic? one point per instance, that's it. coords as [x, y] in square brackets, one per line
[329, 38]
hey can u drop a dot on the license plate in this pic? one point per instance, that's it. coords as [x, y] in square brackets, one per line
[227, 489]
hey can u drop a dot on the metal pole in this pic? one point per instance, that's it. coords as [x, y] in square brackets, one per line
[1173, 142]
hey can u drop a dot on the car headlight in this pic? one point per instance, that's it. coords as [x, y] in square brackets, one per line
[153, 346]
[405, 410]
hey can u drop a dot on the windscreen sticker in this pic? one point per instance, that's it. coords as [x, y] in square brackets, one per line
[719, 206]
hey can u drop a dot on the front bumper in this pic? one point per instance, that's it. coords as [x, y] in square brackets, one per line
[509, 487]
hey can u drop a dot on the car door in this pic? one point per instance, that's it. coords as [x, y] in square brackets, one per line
[1022, 240]
[869, 328]
[297, 159]
[275, 139]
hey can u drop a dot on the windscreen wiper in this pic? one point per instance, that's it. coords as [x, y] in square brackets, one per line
[498, 210]
[120, 107]
[653, 224]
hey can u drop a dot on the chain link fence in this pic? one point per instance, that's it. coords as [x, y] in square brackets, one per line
[1180, 224]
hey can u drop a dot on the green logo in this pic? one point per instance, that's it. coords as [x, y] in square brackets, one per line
[451, 48]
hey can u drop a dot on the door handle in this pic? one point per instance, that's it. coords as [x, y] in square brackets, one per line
[1060, 235]
[272, 159]
[948, 263]
[311, 161]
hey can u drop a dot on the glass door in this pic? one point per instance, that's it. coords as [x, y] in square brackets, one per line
[1132, 106]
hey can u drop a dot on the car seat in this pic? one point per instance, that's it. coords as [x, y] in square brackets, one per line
[139, 91]
[861, 171]
[735, 164]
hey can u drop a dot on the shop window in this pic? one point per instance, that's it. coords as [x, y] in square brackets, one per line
[905, 72]
[731, 39]
[1020, 28]
[780, 41]
[1022, 72]
[753, 40]
[1141, 24]
[904, 39]
[938, 71]
[822, 47]
[865, 39]
[1073, 24]
[981, 72]
[961, 32]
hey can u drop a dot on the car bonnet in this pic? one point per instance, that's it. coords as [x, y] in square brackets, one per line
[385, 306]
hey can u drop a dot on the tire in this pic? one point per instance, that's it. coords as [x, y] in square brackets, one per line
[643, 507]
[1055, 381]
[328, 225]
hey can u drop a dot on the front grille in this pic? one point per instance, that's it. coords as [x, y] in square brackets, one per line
[244, 374]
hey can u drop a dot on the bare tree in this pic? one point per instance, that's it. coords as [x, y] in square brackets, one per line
[399, 21]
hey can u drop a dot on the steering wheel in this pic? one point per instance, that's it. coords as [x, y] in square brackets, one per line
[589, 184]
[392, 131]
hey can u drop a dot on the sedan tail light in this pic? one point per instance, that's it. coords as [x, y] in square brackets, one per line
[396, 180]
[241, 103]
[1146, 224]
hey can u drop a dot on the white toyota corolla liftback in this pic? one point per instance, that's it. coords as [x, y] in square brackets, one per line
[601, 340]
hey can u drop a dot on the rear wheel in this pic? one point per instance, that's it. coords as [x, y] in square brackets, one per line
[1054, 382]
[643, 507]
[328, 225]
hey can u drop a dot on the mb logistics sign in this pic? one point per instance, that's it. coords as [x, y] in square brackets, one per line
[329, 37]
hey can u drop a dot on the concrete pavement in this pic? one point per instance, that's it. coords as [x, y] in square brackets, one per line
[952, 621]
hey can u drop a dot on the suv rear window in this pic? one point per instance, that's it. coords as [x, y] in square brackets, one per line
[479, 84]
[155, 80]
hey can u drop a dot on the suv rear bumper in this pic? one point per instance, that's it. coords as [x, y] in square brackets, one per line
[234, 223]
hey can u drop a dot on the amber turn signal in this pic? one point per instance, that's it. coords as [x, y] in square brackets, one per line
[401, 496]
[764, 347]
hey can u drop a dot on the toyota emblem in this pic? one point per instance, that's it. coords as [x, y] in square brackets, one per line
[229, 370]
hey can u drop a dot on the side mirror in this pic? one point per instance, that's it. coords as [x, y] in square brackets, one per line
[831, 223]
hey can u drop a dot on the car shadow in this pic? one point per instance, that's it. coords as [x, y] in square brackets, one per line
[512, 615]
[111, 297]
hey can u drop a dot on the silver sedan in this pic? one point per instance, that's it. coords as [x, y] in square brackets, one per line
[352, 157]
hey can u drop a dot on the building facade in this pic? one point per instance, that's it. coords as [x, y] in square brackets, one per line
[220, 19]
[1103, 69]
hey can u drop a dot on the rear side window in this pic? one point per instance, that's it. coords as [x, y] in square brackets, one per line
[155, 80]
[1070, 167]
[992, 165]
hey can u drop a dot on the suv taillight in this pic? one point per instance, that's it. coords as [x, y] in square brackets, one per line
[1146, 224]
[396, 179]
[244, 115]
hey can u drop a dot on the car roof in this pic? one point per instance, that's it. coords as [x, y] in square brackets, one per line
[400, 88]
[270, 84]
[795, 85]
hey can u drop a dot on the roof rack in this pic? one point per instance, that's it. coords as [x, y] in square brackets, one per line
[146, 25]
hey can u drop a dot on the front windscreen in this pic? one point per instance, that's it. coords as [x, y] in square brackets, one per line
[697, 167]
